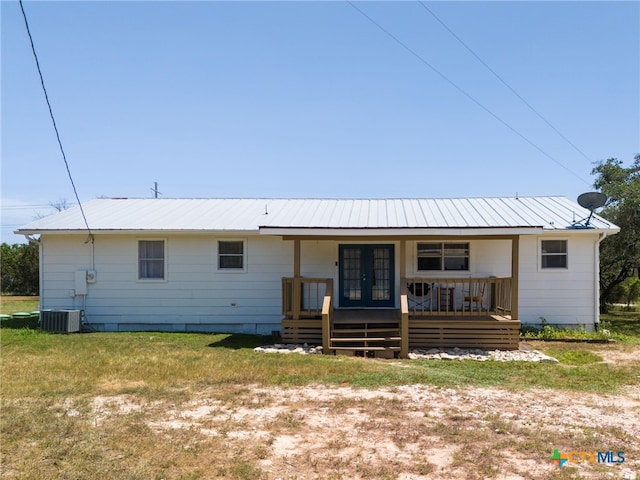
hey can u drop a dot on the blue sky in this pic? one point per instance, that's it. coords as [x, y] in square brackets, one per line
[312, 99]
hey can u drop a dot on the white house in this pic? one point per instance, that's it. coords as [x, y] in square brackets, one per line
[390, 273]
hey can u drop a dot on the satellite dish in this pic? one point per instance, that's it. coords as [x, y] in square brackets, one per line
[592, 200]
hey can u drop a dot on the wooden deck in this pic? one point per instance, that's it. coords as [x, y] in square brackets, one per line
[492, 332]
[466, 313]
[305, 330]
[380, 332]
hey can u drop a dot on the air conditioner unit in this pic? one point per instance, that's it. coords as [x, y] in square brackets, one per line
[60, 321]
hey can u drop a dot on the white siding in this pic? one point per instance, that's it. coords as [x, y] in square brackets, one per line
[194, 295]
[490, 258]
[318, 259]
[61, 257]
[561, 296]
[487, 258]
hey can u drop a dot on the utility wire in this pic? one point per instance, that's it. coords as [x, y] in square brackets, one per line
[53, 120]
[504, 82]
[465, 93]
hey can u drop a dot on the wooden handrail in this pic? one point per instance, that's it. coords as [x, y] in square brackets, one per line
[326, 324]
[455, 296]
[302, 297]
[404, 326]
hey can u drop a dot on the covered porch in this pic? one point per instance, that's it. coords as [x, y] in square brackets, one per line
[429, 311]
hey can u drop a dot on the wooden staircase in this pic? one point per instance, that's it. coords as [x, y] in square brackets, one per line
[370, 333]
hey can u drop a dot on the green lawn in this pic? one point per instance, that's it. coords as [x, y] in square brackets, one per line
[49, 364]
[10, 304]
[53, 386]
[150, 364]
[622, 321]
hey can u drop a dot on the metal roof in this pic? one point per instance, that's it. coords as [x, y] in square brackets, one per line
[277, 216]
